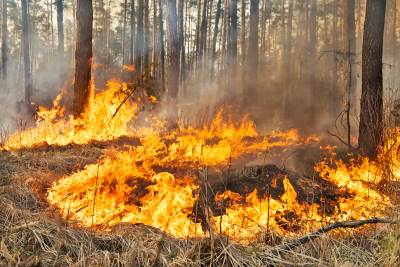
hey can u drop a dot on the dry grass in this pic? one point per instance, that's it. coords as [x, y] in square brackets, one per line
[32, 235]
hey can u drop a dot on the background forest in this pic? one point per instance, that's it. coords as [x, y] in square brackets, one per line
[288, 63]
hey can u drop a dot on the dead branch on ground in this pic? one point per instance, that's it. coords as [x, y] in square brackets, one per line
[347, 224]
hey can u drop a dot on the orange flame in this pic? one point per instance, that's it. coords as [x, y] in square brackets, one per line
[126, 186]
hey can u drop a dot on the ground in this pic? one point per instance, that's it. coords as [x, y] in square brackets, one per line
[32, 233]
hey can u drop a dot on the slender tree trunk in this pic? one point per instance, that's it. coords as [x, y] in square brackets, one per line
[243, 32]
[334, 91]
[139, 37]
[146, 45]
[203, 30]
[25, 48]
[314, 107]
[173, 53]
[198, 30]
[162, 47]
[182, 54]
[132, 39]
[60, 27]
[215, 36]
[232, 45]
[124, 32]
[371, 113]
[4, 41]
[156, 48]
[83, 57]
[288, 60]
[252, 66]
[348, 7]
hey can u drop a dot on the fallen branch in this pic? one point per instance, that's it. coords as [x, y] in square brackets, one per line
[310, 237]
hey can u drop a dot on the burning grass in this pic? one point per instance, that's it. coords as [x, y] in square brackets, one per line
[103, 191]
[32, 234]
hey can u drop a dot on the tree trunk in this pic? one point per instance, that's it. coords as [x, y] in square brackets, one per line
[287, 101]
[27, 59]
[203, 31]
[314, 107]
[173, 53]
[232, 47]
[60, 27]
[124, 32]
[243, 31]
[83, 57]
[132, 40]
[215, 36]
[182, 55]
[156, 48]
[162, 47]
[252, 65]
[371, 113]
[146, 45]
[139, 37]
[348, 7]
[4, 42]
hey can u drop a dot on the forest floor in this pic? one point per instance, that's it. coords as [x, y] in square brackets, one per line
[32, 234]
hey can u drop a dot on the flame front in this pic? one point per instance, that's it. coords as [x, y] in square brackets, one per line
[145, 184]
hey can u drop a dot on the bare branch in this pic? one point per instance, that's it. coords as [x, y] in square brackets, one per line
[311, 236]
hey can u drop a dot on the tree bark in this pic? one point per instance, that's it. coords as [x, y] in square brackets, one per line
[4, 42]
[146, 46]
[215, 36]
[173, 53]
[371, 113]
[162, 46]
[60, 27]
[313, 61]
[232, 47]
[27, 59]
[243, 31]
[132, 39]
[182, 54]
[83, 57]
[139, 37]
[252, 64]
[125, 10]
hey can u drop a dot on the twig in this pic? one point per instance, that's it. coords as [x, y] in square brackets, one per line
[341, 140]
[95, 191]
[311, 236]
[123, 102]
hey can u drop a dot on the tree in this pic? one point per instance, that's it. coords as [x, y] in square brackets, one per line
[146, 45]
[232, 44]
[182, 55]
[371, 112]
[4, 42]
[60, 27]
[313, 60]
[139, 36]
[83, 57]
[173, 52]
[215, 36]
[349, 36]
[125, 10]
[132, 29]
[252, 67]
[27, 59]
[161, 46]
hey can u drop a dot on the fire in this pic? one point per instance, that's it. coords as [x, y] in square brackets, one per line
[100, 122]
[157, 182]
